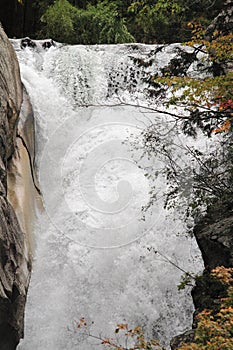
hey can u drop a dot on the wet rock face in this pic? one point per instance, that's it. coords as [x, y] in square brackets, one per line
[216, 243]
[14, 261]
[214, 235]
[27, 42]
[10, 95]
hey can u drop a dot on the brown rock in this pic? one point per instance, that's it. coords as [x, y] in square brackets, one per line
[14, 261]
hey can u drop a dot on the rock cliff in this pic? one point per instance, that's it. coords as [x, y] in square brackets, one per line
[15, 261]
[214, 232]
[214, 235]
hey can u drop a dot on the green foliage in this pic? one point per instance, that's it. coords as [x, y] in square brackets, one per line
[209, 92]
[157, 19]
[166, 21]
[58, 21]
[101, 24]
[186, 280]
[95, 24]
[219, 48]
[150, 21]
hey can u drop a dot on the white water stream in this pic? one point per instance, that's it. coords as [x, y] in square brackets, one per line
[92, 258]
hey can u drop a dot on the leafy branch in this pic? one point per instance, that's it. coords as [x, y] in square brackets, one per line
[125, 338]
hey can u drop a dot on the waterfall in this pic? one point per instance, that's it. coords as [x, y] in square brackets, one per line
[95, 253]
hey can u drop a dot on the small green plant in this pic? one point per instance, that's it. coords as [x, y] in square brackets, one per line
[186, 280]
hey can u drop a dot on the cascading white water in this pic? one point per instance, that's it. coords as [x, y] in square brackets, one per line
[93, 256]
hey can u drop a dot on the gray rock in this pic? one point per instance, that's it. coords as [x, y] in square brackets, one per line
[186, 337]
[214, 236]
[15, 265]
[223, 22]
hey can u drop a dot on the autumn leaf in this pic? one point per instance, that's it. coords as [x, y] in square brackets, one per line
[122, 326]
[107, 341]
[225, 127]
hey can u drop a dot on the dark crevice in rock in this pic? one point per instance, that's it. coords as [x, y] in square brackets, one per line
[8, 336]
[31, 163]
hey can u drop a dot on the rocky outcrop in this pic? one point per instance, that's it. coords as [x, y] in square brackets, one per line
[23, 188]
[15, 264]
[186, 337]
[214, 235]
[223, 22]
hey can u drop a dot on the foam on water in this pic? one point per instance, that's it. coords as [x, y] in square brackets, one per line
[94, 256]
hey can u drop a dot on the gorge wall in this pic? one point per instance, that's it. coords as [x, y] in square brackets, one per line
[214, 232]
[15, 250]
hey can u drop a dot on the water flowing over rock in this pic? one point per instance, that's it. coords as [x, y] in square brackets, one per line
[100, 259]
[97, 256]
[15, 263]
